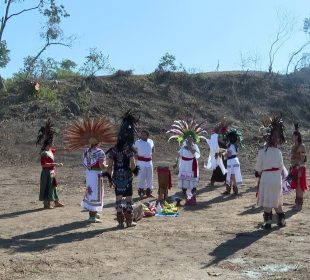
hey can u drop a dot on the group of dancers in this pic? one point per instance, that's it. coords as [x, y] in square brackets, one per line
[129, 157]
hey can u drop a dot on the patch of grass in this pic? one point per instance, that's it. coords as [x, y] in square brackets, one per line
[50, 96]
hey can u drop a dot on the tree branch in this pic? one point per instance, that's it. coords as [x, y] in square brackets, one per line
[5, 18]
[296, 53]
[25, 10]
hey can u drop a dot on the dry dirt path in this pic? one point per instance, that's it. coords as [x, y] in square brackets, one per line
[217, 239]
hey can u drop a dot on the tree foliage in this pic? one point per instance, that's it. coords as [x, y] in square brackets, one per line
[168, 63]
[52, 33]
[96, 62]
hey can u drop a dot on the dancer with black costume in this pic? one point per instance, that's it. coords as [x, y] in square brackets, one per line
[122, 167]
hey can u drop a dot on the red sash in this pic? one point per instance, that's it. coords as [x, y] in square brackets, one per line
[194, 166]
[271, 169]
[144, 158]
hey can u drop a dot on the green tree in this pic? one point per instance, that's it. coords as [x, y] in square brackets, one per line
[167, 63]
[95, 62]
[68, 64]
[43, 69]
[66, 70]
[52, 33]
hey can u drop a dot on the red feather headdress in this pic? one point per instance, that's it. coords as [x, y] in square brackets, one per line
[88, 131]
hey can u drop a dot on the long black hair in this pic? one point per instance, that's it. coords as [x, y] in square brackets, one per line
[297, 133]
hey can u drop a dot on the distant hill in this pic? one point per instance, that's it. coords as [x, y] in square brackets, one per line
[159, 97]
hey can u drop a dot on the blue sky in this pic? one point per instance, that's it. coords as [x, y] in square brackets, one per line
[136, 33]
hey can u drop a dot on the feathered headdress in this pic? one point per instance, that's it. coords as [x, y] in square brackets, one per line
[273, 124]
[46, 134]
[88, 131]
[223, 126]
[181, 129]
[126, 135]
[236, 134]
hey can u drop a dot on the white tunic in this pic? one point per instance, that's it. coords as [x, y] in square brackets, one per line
[186, 177]
[270, 186]
[94, 191]
[145, 149]
[233, 166]
[213, 162]
[145, 177]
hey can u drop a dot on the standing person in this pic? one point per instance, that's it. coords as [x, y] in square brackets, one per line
[188, 177]
[48, 181]
[268, 167]
[188, 133]
[298, 168]
[234, 177]
[122, 167]
[91, 133]
[94, 160]
[217, 162]
[145, 150]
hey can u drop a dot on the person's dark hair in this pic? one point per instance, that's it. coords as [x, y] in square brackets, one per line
[46, 143]
[297, 133]
[233, 138]
[146, 132]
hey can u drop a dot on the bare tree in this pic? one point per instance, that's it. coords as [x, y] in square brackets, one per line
[284, 33]
[306, 29]
[249, 60]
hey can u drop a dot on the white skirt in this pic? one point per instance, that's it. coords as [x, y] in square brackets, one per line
[270, 190]
[93, 198]
[186, 175]
[233, 168]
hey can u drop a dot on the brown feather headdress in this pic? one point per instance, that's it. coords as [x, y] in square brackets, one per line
[86, 131]
[272, 124]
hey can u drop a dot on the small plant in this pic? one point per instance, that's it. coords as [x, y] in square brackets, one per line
[123, 73]
[48, 95]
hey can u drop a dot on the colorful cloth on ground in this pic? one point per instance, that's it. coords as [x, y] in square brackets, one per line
[233, 166]
[188, 167]
[144, 150]
[270, 193]
[48, 182]
[122, 174]
[94, 191]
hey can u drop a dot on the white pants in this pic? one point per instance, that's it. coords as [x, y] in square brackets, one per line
[145, 177]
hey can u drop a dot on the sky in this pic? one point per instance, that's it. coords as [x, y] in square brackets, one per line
[136, 33]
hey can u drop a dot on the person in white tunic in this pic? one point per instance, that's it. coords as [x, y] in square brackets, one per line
[269, 167]
[188, 133]
[145, 149]
[188, 176]
[234, 177]
[94, 160]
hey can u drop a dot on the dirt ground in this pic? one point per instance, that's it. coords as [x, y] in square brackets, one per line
[219, 238]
